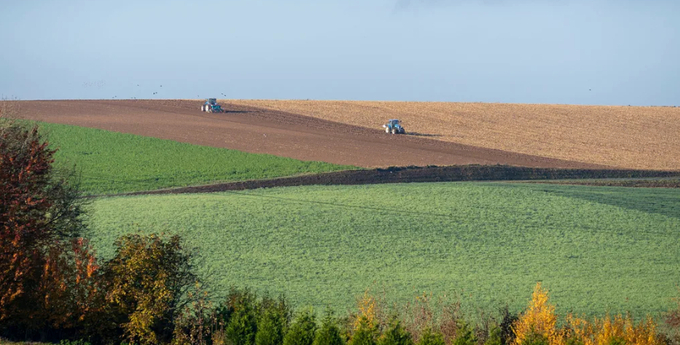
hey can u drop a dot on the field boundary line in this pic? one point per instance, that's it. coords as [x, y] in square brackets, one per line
[413, 174]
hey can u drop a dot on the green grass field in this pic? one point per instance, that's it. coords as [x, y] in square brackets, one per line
[597, 249]
[111, 162]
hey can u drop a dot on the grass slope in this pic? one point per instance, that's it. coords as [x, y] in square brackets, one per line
[111, 162]
[597, 248]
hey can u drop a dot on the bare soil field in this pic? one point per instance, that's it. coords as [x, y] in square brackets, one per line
[263, 130]
[617, 136]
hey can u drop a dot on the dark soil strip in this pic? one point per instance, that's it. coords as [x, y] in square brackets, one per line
[421, 174]
[647, 183]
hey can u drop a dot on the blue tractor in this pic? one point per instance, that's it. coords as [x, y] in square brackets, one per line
[211, 106]
[394, 127]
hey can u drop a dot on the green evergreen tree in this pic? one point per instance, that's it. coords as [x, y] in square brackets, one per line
[329, 333]
[270, 328]
[302, 330]
[396, 335]
[364, 335]
[242, 325]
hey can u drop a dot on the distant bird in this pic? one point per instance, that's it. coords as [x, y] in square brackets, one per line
[590, 90]
[161, 85]
[137, 84]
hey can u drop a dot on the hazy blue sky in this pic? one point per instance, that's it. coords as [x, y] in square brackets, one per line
[524, 51]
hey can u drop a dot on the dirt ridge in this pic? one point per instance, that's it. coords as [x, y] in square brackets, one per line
[412, 174]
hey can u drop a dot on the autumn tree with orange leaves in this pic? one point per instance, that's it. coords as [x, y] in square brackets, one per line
[41, 258]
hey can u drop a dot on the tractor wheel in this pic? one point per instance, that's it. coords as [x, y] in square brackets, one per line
[387, 130]
[402, 131]
[394, 131]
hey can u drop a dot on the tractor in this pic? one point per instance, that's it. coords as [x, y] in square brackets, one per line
[211, 106]
[394, 127]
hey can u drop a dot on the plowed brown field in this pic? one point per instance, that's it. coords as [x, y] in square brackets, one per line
[619, 136]
[441, 133]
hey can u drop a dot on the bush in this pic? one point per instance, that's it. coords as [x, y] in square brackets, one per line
[574, 341]
[302, 331]
[672, 319]
[198, 323]
[507, 320]
[535, 338]
[147, 281]
[494, 337]
[431, 338]
[74, 342]
[464, 336]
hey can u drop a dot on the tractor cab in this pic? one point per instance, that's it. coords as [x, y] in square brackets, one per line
[211, 101]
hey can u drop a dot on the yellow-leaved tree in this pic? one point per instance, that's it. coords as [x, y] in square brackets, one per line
[614, 330]
[538, 323]
[147, 283]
